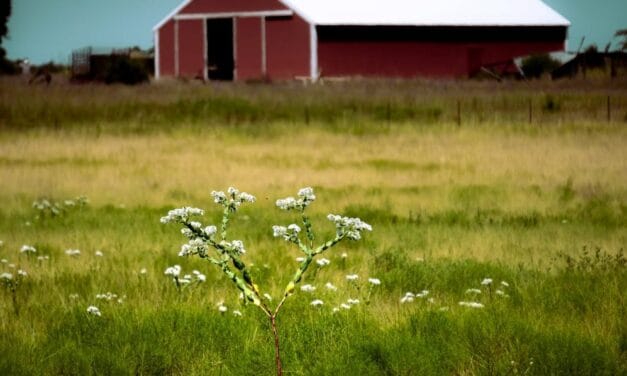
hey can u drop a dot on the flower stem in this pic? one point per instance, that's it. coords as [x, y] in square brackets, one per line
[277, 353]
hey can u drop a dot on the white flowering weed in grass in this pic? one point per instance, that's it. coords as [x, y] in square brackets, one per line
[214, 245]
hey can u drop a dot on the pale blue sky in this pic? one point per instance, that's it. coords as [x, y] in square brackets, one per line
[44, 30]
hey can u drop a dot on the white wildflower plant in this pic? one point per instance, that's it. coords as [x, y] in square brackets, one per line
[214, 245]
[185, 280]
[11, 281]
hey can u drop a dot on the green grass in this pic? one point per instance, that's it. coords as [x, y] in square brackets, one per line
[542, 206]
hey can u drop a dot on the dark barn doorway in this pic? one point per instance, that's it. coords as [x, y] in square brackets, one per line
[220, 61]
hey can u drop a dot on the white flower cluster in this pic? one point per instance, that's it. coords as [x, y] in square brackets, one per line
[308, 288]
[181, 215]
[323, 262]
[233, 198]
[109, 296]
[305, 197]
[194, 246]
[175, 272]
[6, 276]
[349, 227]
[28, 249]
[410, 296]
[43, 258]
[289, 233]
[93, 310]
[471, 304]
[236, 246]
[73, 252]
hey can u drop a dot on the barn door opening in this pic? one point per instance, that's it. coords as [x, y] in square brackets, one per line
[220, 61]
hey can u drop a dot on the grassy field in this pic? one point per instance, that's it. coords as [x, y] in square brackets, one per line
[541, 205]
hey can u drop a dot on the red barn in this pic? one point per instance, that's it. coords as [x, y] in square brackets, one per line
[285, 39]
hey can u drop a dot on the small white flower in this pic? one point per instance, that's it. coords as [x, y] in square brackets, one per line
[374, 281]
[6, 276]
[99, 253]
[352, 301]
[201, 277]
[294, 228]
[486, 282]
[471, 304]
[344, 255]
[502, 293]
[267, 296]
[12, 266]
[336, 309]
[317, 303]
[73, 296]
[22, 273]
[352, 277]
[43, 258]
[174, 271]
[345, 306]
[422, 294]
[210, 230]
[300, 259]
[307, 288]
[4, 261]
[473, 291]
[195, 225]
[93, 310]
[143, 271]
[323, 262]
[222, 308]
[73, 252]
[330, 286]
[504, 284]
[181, 215]
[237, 313]
[27, 249]
[408, 298]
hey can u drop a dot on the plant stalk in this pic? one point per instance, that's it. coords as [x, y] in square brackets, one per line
[277, 353]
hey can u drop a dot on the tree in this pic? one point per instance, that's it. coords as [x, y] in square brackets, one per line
[623, 43]
[5, 13]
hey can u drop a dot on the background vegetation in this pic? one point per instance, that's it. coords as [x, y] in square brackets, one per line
[540, 205]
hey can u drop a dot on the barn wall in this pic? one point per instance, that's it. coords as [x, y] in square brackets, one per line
[166, 49]
[191, 48]
[216, 6]
[409, 59]
[428, 51]
[248, 63]
[287, 47]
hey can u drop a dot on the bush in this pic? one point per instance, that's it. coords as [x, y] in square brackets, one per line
[127, 71]
[535, 66]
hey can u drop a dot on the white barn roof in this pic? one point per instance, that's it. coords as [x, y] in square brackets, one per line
[427, 12]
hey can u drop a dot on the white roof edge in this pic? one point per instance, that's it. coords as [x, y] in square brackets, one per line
[300, 13]
[171, 14]
[332, 13]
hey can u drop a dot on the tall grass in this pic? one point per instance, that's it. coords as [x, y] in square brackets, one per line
[541, 207]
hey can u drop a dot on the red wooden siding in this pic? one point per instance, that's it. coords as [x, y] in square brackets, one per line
[166, 49]
[248, 62]
[226, 6]
[409, 59]
[287, 47]
[191, 48]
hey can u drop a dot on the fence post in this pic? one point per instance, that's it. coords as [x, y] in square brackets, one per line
[459, 113]
[609, 109]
